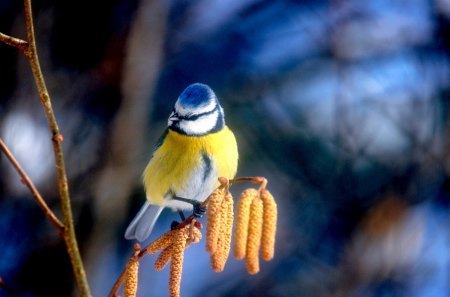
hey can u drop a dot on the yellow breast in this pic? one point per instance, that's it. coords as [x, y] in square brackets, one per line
[172, 163]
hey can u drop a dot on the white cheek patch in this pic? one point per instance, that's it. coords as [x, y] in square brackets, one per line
[200, 126]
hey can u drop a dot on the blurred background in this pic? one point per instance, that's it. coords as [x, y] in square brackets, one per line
[342, 105]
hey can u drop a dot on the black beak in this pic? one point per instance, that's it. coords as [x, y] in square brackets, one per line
[173, 118]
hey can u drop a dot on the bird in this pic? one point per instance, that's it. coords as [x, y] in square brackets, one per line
[195, 149]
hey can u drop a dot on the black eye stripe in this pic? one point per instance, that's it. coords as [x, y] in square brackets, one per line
[196, 116]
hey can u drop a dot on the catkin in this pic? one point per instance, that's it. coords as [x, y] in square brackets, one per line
[254, 236]
[269, 225]
[163, 258]
[176, 265]
[217, 261]
[192, 235]
[195, 235]
[227, 223]
[131, 278]
[220, 257]
[213, 220]
[241, 227]
[162, 242]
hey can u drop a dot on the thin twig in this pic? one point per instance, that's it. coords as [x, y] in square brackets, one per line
[255, 179]
[27, 181]
[118, 283]
[15, 42]
[121, 279]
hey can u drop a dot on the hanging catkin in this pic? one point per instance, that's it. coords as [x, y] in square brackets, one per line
[131, 278]
[269, 225]
[220, 257]
[213, 220]
[254, 236]
[241, 227]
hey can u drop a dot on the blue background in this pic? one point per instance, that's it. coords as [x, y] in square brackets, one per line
[342, 105]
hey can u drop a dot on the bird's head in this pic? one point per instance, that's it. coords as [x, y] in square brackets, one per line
[197, 112]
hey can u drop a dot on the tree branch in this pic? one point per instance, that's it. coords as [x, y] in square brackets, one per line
[16, 42]
[69, 235]
[30, 51]
[27, 181]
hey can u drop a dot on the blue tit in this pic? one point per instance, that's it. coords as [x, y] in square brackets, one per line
[196, 148]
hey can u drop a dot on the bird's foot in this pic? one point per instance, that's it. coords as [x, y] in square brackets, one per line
[199, 211]
[174, 225]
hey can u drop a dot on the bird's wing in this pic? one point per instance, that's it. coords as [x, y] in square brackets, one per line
[160, 140]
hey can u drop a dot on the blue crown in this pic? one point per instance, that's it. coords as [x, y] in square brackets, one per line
[196, 94]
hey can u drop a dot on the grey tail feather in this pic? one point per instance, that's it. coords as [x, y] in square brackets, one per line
[142, 224]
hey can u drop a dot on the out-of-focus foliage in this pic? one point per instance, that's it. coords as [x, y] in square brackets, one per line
[342, 105]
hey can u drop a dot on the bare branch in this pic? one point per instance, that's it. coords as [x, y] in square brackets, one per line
[27, 181]
[69, 235]
[15, 42]
[30, 51]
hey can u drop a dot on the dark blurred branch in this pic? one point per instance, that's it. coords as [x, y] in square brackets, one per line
[142, 61]
[27, 181]
[7, 289]
[69, 237]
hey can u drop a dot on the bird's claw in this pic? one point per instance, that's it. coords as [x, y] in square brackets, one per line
[174, 225]
[199, 211]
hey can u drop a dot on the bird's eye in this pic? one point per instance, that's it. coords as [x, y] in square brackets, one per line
[192, 117]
